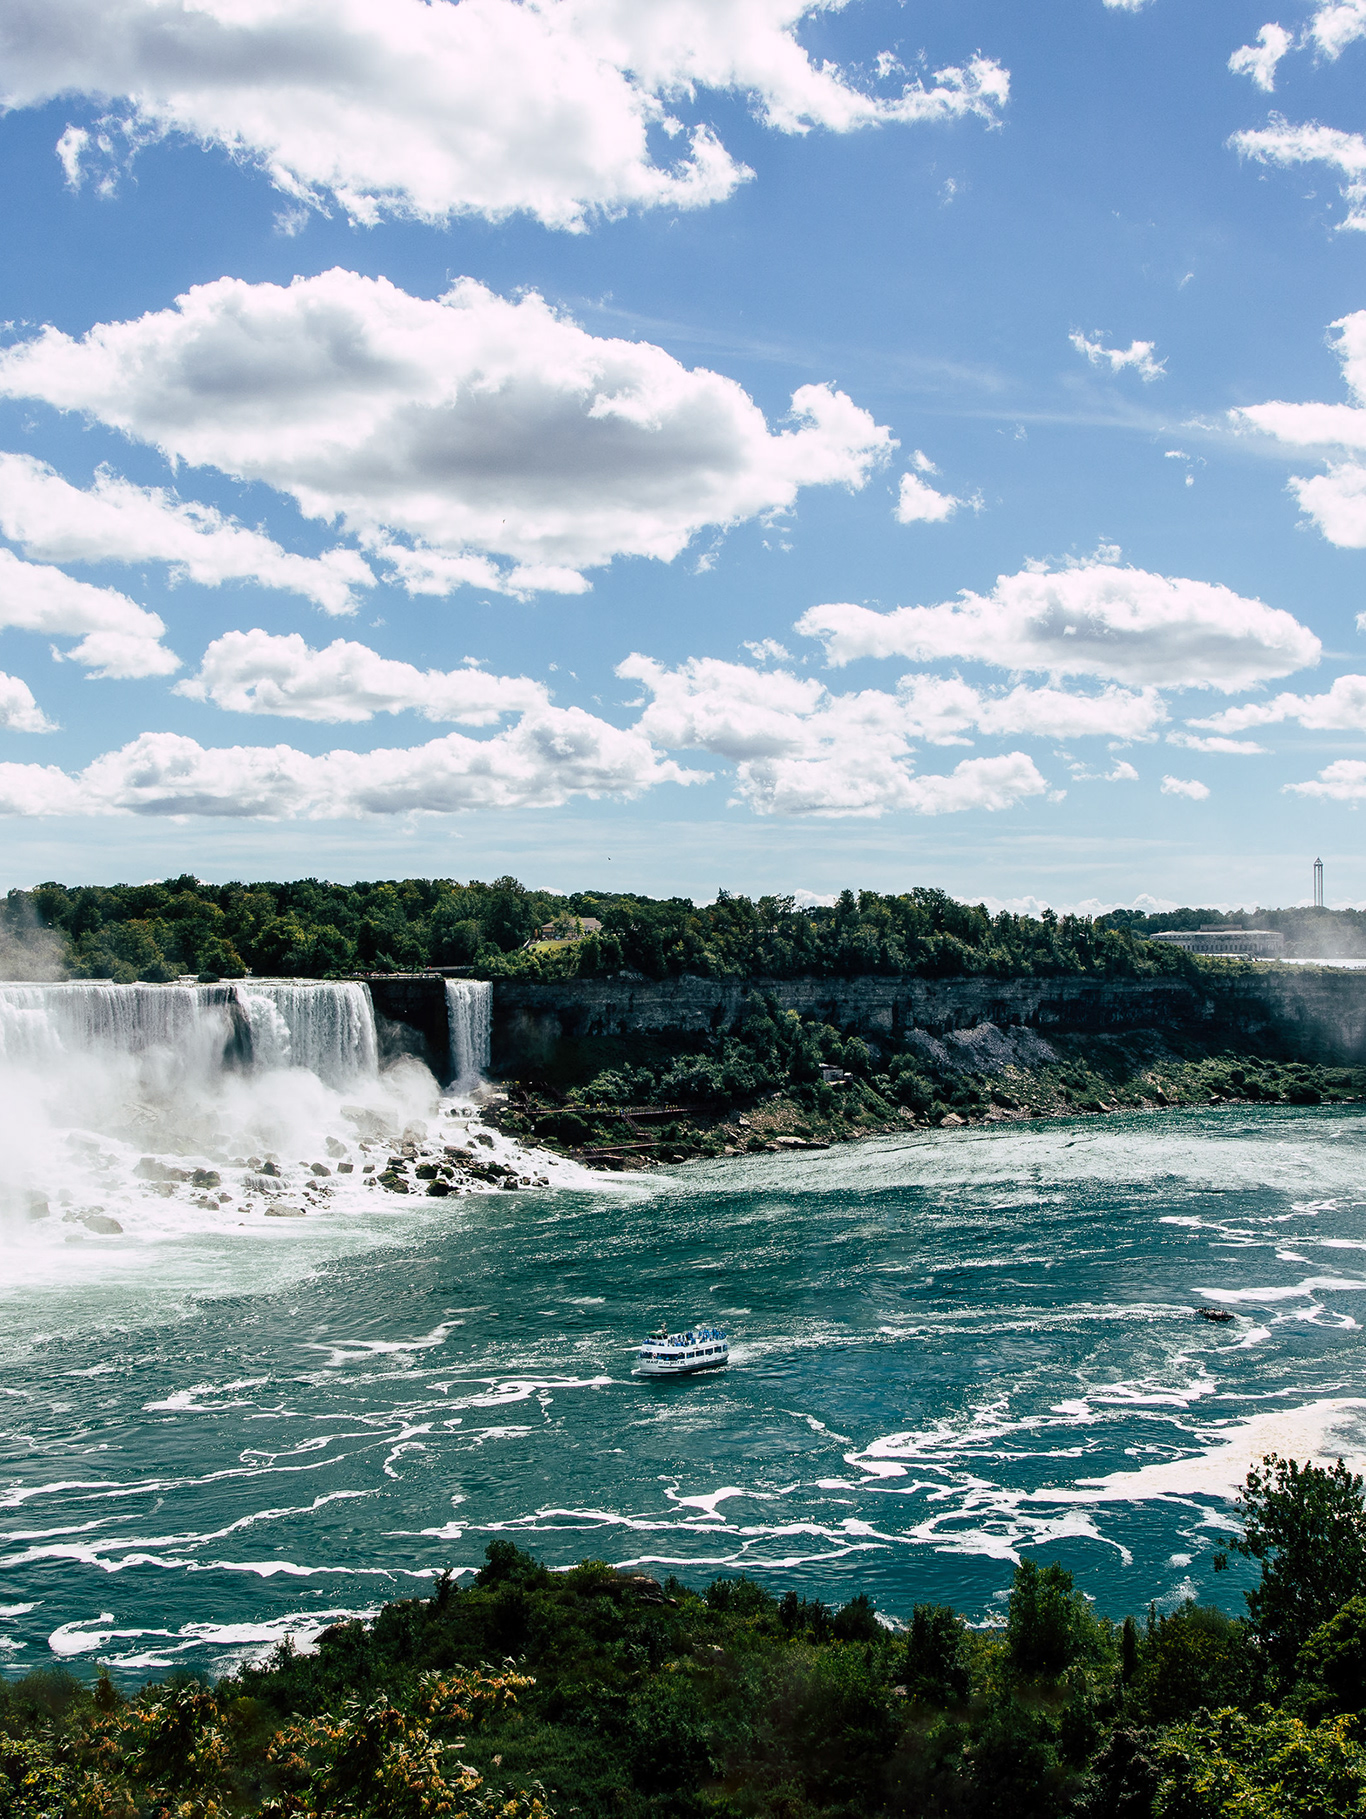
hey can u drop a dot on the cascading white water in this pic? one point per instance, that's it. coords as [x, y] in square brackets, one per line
[327, 1028]
[39, 1024]
[469, 1014]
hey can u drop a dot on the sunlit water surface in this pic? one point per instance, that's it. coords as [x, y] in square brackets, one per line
[946, 1348]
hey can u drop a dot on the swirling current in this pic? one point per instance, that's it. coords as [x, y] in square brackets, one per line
[947, 1348]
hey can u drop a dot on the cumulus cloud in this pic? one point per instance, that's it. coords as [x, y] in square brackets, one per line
[118, 638]
[1138, 355]
[549, 756]
[1341, 710]
[1185, 786]
[799, 749]
[259, 672]
[1342, 781]
[115, 521]
[19, 712]
[430, 110]
[1259, 60]
[1283, 144]
[469, 424]
[1336, 24]
[1335, 499]
[921, 504]
[1119, 624]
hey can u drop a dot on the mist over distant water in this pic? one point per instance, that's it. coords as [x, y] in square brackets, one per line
[947, 1348]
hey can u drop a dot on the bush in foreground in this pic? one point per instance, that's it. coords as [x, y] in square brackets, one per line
[598, 1694]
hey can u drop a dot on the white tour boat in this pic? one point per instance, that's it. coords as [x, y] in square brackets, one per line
[666, 1354]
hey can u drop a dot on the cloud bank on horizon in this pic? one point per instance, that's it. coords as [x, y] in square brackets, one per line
[583, 357]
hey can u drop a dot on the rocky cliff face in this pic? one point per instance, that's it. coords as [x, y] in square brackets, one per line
[1316, 1016]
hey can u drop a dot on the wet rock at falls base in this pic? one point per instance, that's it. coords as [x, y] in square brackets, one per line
[150, 1169]
[285, 1212]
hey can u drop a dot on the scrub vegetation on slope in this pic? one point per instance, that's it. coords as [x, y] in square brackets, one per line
[605, 1694]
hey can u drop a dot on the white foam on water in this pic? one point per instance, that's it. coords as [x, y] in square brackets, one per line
[232, 1643]
[1325, 1430]
[1257, 1297]
[112, 1094]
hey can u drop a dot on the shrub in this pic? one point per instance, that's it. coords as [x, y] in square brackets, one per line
[937, 1664]
[1050, 1625]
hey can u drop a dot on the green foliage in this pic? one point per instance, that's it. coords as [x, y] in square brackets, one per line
[1271, 1766]
[1050, 1626]
[1305, 1525]
[621, 1698]
[938, 1660]
[1195, 1658]
[1332, 1664]
[315, 929]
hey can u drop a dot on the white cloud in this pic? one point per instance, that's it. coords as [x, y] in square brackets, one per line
[1185, 786]
[473, 425]
[1336, 24]
[1119, 772]
[1335, 499]
[1095, 620]
[799, 749]
[1138, 355]
[550, 756]
[1284, 145]
[1126, 6]
[426, 571]
[1230, 748]
[1342, 709]
[118, 638]
[1342, 781]
[432, 110]
[115, 521]
[1259, 60]
[921, 504]
[19, 712]
[845, 781]
[258, 672]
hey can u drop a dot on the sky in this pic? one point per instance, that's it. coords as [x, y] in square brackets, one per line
[681, 445]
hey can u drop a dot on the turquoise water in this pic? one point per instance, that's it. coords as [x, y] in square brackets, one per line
[947, 1348]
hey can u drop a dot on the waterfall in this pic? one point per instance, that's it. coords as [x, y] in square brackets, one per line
[469, 1014]
[328, 1028]
[43, 1023]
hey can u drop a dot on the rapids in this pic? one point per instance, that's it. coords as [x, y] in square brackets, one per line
[947, 1348]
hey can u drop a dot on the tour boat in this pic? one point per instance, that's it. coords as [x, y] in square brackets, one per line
[666, 1354]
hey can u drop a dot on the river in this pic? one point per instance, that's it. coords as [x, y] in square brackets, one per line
[947, 1348]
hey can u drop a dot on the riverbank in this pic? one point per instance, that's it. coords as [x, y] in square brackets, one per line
[983, 1075]
[624, 1696]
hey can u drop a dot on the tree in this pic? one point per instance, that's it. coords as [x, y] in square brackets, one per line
[1197, 1657]
[1332, 1663]
[937, 1659]
[1050, 1624]
[1306, 1525]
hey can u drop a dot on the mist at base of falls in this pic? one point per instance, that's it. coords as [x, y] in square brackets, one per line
[145, 1124]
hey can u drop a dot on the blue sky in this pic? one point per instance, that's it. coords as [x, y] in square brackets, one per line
[686, 444]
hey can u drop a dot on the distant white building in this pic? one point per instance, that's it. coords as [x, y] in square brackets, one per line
[1245, 943]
